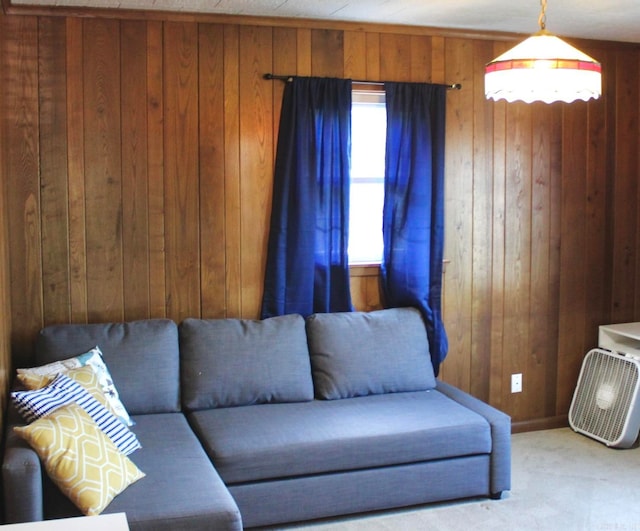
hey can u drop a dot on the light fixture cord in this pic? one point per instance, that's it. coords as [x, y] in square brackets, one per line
[542, 19]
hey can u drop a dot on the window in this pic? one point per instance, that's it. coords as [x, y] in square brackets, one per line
[368, 139]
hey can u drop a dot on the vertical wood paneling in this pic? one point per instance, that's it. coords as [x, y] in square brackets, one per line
[155, 168]
[53, 170]
[625, 186]
[76, 165]
[459, 215]
[103, 175]
[482, 225]
[395, 57]
[517, 275]
[6, 368]
[256, 161]
[541, 332]
[182, 209]
[421, 56]
[573, 294]
[327, 53]
[137, 158]
[22, 179]
[355, 54]
[304, 52]
[212, 222]
[438, 60]
[365, 288]
[554, 131]
[135, 174]
[596, 213]
[285, 59]
[232, 170]
[497, 383]
[373, 57]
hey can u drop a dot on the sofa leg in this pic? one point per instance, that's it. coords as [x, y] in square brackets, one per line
[495, 495]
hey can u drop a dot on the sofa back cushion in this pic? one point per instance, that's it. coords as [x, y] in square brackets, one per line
[236, 362]
[142, 357]
[368, 353]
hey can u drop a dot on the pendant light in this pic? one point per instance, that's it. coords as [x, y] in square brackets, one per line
[543, 68]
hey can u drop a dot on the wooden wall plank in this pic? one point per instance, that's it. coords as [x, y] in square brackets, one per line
[256, 161]
[355, 53]
[438, 61]
[182, 210]
[304, 51]
[482, 236]
[135, 172]
[285, 60]
[573, 262]
[596, 225]
[6, 363]
[53, 170]
[459, 215]
[554, 132]
[327, 57]
[365, 288]
[421, 57]
[232, 170]
[373, 57]
[541, 338]
[22, 183]
[76, 165]
[518, 247]
[625, 228]
[498, 382]
[212, 222]
[103, 178]
[395, 57]
[155, 168]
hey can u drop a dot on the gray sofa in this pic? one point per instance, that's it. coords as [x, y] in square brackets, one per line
[254, 423]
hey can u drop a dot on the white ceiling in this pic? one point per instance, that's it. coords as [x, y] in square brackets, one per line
[617, 20]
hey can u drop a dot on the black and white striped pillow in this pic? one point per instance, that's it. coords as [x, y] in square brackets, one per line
[33, 405]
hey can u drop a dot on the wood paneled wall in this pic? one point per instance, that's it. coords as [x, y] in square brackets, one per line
[5, 307]
[137, 166]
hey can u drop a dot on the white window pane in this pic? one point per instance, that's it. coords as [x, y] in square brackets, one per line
[368, 138]
[365, 222]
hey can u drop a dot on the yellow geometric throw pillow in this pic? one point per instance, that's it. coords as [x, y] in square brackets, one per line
[79, 458]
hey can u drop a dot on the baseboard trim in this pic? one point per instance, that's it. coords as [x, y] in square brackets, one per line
[546, 423]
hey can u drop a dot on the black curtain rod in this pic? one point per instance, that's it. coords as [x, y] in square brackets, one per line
[288, 79]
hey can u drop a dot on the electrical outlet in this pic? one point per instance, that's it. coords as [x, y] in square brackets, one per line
[516, 383]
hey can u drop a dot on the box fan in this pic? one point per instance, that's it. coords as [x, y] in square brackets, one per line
[605, 404]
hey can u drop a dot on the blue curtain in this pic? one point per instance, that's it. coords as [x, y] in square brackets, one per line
[413, 214]
[307, 268]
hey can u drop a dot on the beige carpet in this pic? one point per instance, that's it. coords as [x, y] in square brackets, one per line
[560, 481]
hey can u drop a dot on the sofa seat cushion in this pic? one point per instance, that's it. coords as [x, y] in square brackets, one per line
[181, 490]
[271, 441]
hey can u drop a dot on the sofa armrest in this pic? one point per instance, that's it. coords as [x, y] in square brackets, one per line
[500, 436]
[21, 476]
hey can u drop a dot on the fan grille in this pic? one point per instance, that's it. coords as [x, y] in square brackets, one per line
[606, 390]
